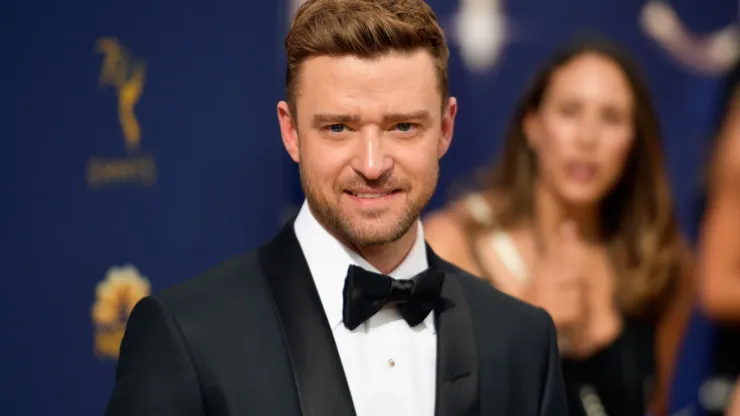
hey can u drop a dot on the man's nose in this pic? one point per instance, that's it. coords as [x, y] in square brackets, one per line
[371, 159]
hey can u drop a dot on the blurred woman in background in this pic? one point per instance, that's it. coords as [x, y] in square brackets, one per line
[720, 250]
[577, 219]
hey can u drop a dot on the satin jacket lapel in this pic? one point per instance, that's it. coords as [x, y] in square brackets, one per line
[319, 376]
[457, 360]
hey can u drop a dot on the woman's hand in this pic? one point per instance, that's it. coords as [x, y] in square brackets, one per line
[556, 283]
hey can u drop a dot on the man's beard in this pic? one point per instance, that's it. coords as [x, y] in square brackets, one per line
[377, 233]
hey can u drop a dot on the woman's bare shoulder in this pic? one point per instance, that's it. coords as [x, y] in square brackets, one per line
[445, 232]
[448, 233]
[444, 224]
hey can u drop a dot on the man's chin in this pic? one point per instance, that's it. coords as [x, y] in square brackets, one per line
[372, 218]
[369, 230]
[373, 239]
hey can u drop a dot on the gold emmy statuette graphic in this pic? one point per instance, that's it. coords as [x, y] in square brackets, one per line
[126, 77]
[115, 298]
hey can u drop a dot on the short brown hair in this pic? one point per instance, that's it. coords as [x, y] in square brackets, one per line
[362, 28]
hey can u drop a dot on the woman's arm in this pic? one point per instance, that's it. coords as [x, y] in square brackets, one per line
[671, 331]
[734, 408]
[720, 238]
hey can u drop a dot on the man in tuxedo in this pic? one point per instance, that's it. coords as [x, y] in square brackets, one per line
[347, 311]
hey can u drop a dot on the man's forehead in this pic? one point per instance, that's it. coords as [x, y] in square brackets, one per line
[405, 70]
[369, 88]
[323, 111]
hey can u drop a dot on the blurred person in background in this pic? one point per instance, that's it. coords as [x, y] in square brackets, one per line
[719, 247]
[577, 219]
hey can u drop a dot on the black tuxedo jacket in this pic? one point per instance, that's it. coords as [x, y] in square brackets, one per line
[250, 337]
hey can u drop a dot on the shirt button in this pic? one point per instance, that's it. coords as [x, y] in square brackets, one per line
[391, 363]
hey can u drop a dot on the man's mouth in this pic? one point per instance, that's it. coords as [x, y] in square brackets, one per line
[372, 194]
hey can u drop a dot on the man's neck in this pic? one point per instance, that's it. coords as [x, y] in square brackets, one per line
[388, 257]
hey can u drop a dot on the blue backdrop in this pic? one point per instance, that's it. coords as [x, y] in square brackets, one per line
[141, 148]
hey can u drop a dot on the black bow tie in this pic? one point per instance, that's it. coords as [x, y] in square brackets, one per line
[366, 292]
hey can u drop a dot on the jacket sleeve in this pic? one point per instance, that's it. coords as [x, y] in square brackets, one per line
[155, 374]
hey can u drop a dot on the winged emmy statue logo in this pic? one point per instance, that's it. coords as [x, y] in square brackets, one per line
[127, 78]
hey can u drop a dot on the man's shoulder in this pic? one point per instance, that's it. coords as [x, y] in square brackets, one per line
[489, 304]
[236, 276]
[504, 323]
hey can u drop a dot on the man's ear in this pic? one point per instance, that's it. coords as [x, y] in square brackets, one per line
[288, 130]
[448, 126]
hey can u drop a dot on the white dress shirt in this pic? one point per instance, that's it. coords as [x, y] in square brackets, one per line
[390, 367]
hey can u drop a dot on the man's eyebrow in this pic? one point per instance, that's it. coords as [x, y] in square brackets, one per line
[420, 115]
[326, 118]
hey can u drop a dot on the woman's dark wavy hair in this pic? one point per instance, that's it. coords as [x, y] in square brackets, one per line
[637, 216]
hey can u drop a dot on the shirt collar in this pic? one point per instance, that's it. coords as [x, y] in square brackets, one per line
[328, 261]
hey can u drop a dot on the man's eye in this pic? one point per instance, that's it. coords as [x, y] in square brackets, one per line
[404, 127]
[337, 128]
